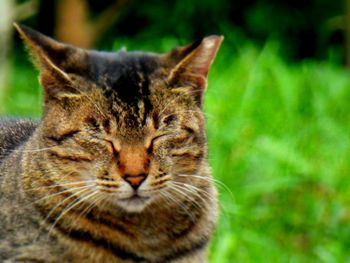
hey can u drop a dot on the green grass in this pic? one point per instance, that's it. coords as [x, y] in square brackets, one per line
[23, 97]
[279, 138]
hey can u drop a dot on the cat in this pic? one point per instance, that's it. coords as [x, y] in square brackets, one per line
[116, 169]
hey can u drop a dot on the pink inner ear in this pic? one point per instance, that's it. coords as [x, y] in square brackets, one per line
[193, 69]
[206, 55]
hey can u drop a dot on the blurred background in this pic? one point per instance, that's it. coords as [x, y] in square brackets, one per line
[277, 107]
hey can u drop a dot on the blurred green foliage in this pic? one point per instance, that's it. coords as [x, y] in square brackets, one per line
[279, 141]
[279, 147]
[305, 28]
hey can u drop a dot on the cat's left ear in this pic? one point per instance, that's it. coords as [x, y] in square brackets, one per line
[193, 63]
[55, 60]
[47, 53]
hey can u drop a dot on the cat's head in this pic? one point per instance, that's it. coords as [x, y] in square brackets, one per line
[128, 125]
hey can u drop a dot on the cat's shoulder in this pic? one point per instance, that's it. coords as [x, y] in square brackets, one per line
[14, 132]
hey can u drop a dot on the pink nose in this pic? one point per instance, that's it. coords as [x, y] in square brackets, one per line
[135, 180]
[133, 165]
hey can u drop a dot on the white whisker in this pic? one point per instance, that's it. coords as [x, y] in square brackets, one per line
[70, 207]
[217, 183]
[194, 189]
[62, 192]
[178, 202]
[59, 204]
[7, 152]
[38, 150]
[193, 192]
[63, 184]
[170, 103]
[89, 98]
[179, 191]
[211, 179]
[93, 203]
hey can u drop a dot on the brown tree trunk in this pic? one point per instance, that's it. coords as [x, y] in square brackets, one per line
[74, 26]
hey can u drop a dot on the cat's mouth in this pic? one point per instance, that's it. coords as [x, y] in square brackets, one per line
[134, 198]
[134, 203]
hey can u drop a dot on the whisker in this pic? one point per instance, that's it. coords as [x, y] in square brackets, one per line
[7, 152]
[61, 192]
[95, 105]
[211, 179]
[70, 207]
[60, 185]
[89, 98]
[94, 200]
[194, 189]
[194, 192]
[56, 206]
[63, 201]
[178, 202]
[189, 210]
[182, 193]
[170, 103]
[38, 150]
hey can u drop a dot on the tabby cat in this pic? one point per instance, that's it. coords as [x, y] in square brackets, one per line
[116, 170]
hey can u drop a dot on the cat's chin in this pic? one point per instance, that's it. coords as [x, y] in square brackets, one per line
[133, 204]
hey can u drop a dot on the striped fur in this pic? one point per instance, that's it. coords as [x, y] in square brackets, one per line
[70, 184]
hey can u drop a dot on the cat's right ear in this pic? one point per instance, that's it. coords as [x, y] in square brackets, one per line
[191, 64]
[54, 59]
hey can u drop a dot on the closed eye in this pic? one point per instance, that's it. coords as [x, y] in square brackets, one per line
[63, 137]
[151, 144]
[169, 119]
[189, 130]
[182, 137]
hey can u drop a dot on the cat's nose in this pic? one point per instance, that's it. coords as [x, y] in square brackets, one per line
[135, 180]
[134, 165]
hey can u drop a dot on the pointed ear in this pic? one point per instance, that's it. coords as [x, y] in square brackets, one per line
[55, 60]
[193, 63]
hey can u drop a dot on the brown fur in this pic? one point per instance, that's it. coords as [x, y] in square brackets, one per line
[116, 170]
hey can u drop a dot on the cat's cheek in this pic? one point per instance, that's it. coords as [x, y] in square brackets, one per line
[163, 160]
[87, 172]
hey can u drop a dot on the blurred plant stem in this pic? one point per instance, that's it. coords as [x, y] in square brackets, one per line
[9, 12]
[6, 17]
